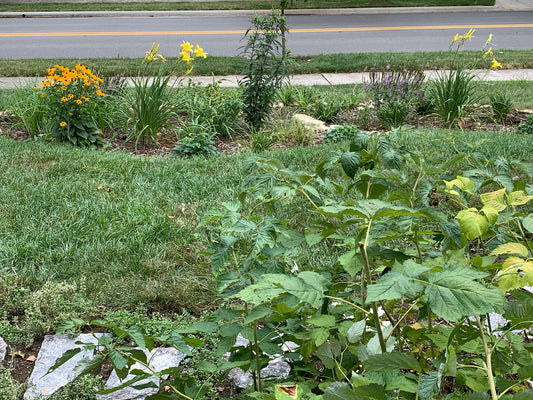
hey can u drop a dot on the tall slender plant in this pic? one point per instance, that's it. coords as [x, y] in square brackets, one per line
[266, 70]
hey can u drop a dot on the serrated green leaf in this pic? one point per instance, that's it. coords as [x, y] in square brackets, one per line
[340, 391]
[461, 183]
[323, 320]
[429, 385]
[257, 313]
[351, 263]
[88, 364]
[527, 223]
[319, 335]
[118, 361]
[350, 162]
[392, 285]
[67, 355]
[454, 293]
[388, 361]
[356, 331]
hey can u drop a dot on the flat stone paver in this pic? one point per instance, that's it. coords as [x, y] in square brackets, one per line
[43, 385]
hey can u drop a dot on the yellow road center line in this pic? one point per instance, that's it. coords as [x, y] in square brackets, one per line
[241, 32]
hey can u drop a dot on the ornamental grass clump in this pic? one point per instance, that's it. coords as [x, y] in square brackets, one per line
[72, 96]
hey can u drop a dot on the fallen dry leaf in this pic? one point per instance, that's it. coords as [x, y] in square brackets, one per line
[31, 358]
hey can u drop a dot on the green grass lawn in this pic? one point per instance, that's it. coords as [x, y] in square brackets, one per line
[123, 228]
[234, 5]
[332, 63]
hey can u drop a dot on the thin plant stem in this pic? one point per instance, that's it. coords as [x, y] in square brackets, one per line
[257, 360]
[366, 272]
[488, 361]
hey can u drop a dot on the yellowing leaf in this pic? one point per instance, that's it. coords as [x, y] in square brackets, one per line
[510, 248]
[518, 198]
[287, 392]
[491, 214]
[473, 224]
[461, 183]
[495, 200]
[516, 273]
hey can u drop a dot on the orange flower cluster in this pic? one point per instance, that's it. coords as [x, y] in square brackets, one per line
[68, 76]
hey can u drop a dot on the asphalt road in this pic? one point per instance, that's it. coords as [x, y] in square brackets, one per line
[222, 35]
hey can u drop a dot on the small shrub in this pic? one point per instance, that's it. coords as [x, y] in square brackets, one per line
[266, 69]
[501, 105]
[195, 139]
[526, 127]
[393, 114]
[71, 97]
[341, 133]
[215, 107]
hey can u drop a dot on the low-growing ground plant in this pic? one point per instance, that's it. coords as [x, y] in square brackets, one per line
[195, 139]
[526, 127]
[501, 105]
[341, 133]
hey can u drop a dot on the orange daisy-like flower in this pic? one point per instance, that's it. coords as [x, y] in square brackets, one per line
[62, 123]
[63, 99]
[78, 101]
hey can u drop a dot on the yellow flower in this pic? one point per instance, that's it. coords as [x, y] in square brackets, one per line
[186, 47]
[36, 87]
[87, 82]
[50, 71]
[488, 41]
[78, 101]
[63, 99]
[62, 123]
[42, 95]
[152, 54]
[488, 52]
[469, 34]
[456, 38]
[199, 52]
[495, 64]
[85, 98]
[185, 56]
[70, 96]
[100, 93]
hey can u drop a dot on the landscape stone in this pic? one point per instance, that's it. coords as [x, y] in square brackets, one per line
[160, 359]
[3, 350]
[275, 369]
[43, 385]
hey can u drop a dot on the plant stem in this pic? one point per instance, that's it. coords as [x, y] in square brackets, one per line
[366, 272]
[257, 360]
[488, 361]
[430, 330]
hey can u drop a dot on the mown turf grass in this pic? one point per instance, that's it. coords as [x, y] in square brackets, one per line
[331, 63]
[234, 5]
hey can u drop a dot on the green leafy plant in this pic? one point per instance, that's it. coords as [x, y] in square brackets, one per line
[10, 389]
[195, 139]
[453, 95]
[266, 68]
[70, 95]
[526, 127]
[261, 140]
[32, 112]
[393, 114]
[150, 108]
[501, 105]
[215, 107]
[341, 133]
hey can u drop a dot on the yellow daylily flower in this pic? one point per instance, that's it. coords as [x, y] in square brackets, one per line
[488, 52]
[488, 40]
[469, 34]
[199, 52]
[186, 47]
[456, 38]
[185, 56]
[495, 64]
